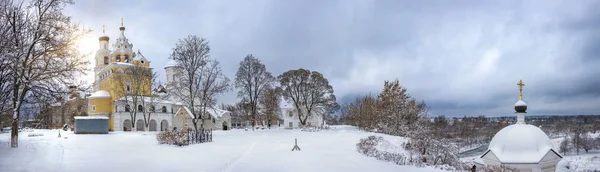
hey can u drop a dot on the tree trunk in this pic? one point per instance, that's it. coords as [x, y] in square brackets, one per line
[14, 141]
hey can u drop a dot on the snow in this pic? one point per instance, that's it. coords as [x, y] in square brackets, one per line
[584, 162]
[123, 63]
[171, 63]
[100, 94]
[520, 103]
[216, 113]
[520, 143]
[91, 117]
[235, 150]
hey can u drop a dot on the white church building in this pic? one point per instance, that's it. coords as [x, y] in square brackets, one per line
[522, 146]
[291, 120]
[108, 101]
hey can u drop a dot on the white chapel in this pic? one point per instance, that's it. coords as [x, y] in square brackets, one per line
[522, 146]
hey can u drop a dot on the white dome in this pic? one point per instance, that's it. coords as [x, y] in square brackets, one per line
[100, 94]
[520, 103]
[520, 143]
[171, 63]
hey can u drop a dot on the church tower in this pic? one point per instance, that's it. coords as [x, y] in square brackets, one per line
[122, 49]
[102, 57]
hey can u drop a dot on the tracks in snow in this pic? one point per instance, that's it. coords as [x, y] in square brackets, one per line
[233, 162]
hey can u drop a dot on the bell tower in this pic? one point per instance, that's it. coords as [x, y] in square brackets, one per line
[102, 58]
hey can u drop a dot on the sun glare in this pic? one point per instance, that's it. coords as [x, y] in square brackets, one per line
[87, 45]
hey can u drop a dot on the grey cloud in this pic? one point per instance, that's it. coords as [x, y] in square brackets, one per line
[462, 57]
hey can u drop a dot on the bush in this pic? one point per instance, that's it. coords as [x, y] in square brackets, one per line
[496, 168]
[367, 146]
[178, 138]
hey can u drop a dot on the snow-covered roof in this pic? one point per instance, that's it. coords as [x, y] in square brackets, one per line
[91, 117]
[100, 94]
[520, 103]
[171, 63]
[215, 113]
[520, 143]
[123, 63]
[139, 56]
[285, 104]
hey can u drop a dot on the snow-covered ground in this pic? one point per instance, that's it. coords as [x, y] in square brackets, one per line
[237, 150]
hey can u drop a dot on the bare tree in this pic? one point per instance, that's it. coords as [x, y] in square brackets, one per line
[251, 79]
[201, 78]
[38, 43]
[134, 84]
[269, 103]
[150, 101]
[309, 92]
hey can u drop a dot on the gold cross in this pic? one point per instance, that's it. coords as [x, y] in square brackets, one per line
[103, 30]
[121, 22]
[520, 84]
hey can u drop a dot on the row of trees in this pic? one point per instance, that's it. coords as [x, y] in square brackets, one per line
[201, 80]
[395, 112]
[578, 139]
[392, 112]
[38, 55]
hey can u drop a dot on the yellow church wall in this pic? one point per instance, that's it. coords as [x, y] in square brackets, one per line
[103, 105]
[116, 87]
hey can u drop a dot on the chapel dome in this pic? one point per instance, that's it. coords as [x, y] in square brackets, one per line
[100, 94]
[520, 106]
[514, 141]
[171, 63]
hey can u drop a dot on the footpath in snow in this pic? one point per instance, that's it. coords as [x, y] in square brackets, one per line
[236, 150]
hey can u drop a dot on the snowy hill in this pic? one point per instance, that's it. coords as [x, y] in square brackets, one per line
[237, 150]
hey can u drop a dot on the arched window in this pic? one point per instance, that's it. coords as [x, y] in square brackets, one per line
[127, 108]
[118, 58]
[126, 58]
[213, 120]
[105, 60]
[116, 108]
[164, 109]
[140, 108]
[128, 87]
[152, 109]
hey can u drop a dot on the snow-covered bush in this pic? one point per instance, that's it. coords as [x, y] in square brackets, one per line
[178, 138]
[368, 145]
[496, 168]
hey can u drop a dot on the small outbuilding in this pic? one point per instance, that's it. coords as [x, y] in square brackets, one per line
[91, 125]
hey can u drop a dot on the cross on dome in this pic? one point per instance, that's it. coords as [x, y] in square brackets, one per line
[520, 84]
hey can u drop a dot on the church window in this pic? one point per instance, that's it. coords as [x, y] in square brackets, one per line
[116, 108]
[127, 107]
[105, 60]
[213, 120]
[142, 62]
[152, 109]
[126, 58]
[164, 109]
[94, 108]
[140, 108]
[118, 58]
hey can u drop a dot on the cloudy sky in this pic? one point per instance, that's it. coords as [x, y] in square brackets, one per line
[461, 57]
